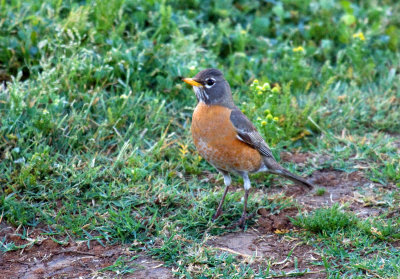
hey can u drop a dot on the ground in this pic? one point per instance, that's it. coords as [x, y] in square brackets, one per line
[44, 258]
[265, 242]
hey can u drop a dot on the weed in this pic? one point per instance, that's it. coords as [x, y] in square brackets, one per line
[326, 220]
[320, 191]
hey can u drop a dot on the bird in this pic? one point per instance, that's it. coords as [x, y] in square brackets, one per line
[227, 139]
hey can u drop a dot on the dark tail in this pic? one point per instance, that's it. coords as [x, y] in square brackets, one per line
[295, 178]
[274, 167]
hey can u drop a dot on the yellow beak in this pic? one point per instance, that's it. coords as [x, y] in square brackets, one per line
[192, 82]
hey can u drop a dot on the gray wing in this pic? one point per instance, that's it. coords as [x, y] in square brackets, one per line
[247, 133]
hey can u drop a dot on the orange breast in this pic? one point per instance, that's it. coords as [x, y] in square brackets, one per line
[215, 139]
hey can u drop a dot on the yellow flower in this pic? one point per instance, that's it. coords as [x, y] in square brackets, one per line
[298, 49]
[183, 149]
[375, 231]
[266, 86]
[270, 117]
[255, 82]
[267, 111]
[302, 135]
[259, 92]
[282, 231]
[243, 32]
[263, 123]
[276, 89]
[276, 118]
[359, 35]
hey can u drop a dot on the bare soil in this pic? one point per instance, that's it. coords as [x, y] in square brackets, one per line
[280, 252]
[268, 223]
[339, 187]
[44, 258]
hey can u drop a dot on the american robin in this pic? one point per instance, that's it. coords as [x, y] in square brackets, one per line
[227, 139]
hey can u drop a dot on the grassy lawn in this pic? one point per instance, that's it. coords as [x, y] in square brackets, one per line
[95, 143]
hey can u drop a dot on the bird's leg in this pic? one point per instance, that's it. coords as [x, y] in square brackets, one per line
[227, 181]
[242, 221]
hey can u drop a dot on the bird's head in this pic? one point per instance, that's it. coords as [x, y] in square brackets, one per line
[211, 88]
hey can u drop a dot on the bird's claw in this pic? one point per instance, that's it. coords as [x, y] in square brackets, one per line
[242, 221]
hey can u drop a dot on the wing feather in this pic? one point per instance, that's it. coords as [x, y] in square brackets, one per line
[248, 133]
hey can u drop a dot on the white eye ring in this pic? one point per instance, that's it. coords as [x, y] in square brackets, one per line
[210, 85]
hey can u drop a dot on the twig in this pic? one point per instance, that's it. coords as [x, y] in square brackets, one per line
[368, 270]
[292, 274]
[288, 257]
[75, 252]
[233, 252]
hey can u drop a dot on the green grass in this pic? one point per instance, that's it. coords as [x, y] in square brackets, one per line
[350, 246]
[320, 191]
[94, 121]
[326, 220]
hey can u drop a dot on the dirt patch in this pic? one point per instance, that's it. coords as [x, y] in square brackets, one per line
[260, 250]
[339, 187]
[275, 222]
[44, 258]
[333, 178]
[150, 268]
[300, 159]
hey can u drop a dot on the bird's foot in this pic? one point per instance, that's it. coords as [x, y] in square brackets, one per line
[242, 221]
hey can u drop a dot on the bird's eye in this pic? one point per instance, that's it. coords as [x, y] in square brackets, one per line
[210, 81]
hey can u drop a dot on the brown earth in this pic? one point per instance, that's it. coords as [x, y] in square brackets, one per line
[268, 223]
[44, 258]
[339, 187]
[281, 252]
